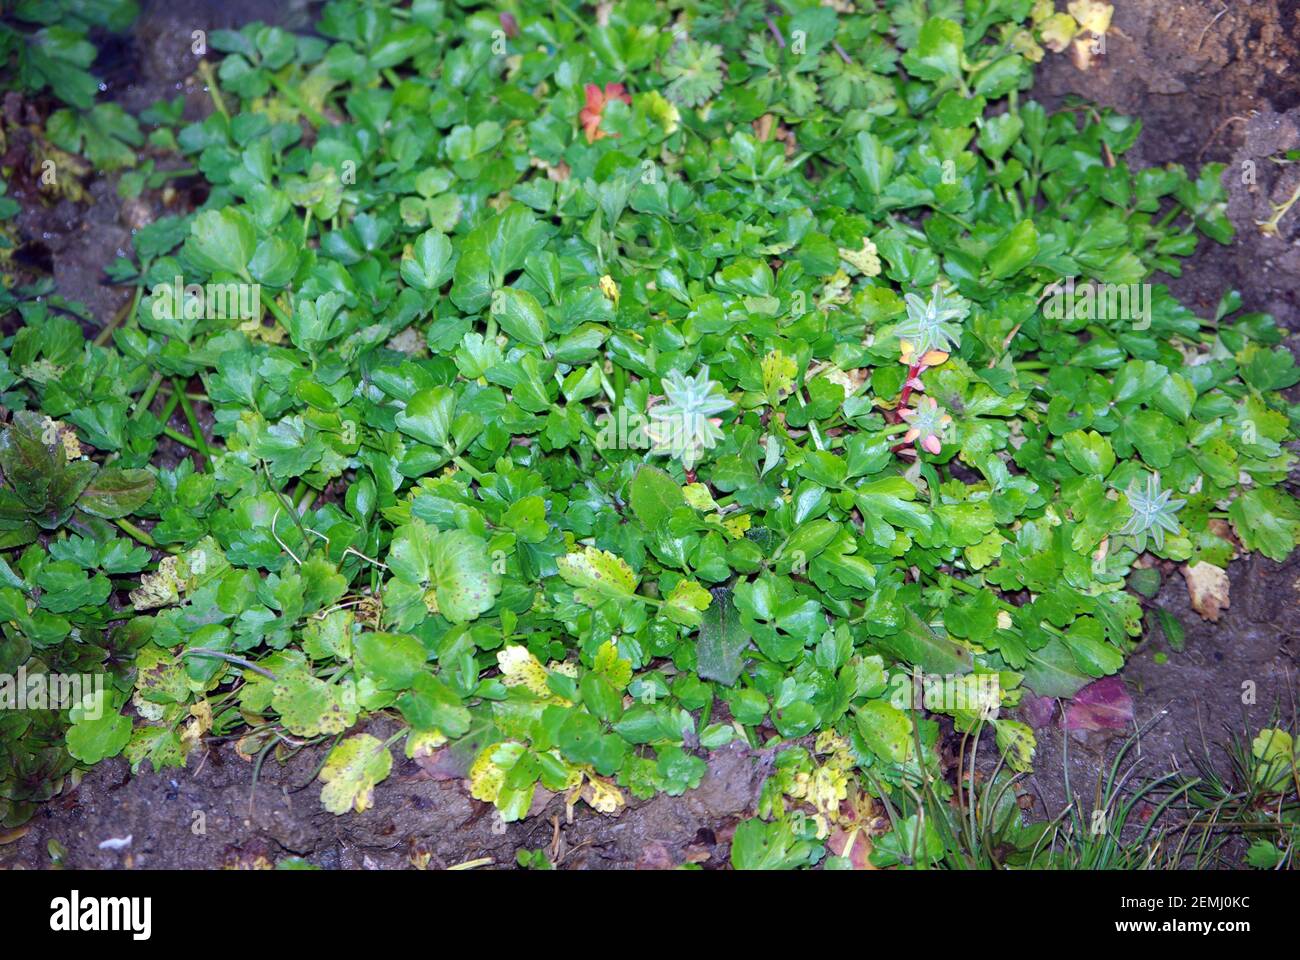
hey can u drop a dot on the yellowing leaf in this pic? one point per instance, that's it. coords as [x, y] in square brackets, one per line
[487, 775]
[351, 772]
[147, 709]
[981, 554]
[309, 707]
[519, 668]
[67, 436]
[598, 574]
[158, 589]
[686, 602]
[610, 289]
[611, 666]
[662, 111]
[1057, 32]
[865, 261]
[602, 796]
[1207, 588]
[850, 379]
[778, 375]
[1275, 750]
[698, 496]
[1023, 43]
[200, 722]
[1082, 49]
[1017, 743]
[736, 526]
[422, 743]
[1093, 15]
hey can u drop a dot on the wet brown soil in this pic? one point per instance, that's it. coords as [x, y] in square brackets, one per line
[210, 816]
[1212, 82]
[1232, 678]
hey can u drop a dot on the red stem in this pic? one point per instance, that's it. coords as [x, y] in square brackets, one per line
[895, 416]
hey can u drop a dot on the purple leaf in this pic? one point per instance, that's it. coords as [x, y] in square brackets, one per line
[1038, 712]
[1101, 705]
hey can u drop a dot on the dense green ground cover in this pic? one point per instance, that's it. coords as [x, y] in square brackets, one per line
[620, 384]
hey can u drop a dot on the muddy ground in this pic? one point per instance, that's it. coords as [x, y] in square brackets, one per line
[211, 816]
[1213, 82]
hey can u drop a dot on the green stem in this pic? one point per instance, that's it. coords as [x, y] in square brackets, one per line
[204, 453]
[288, 507]
[214, 91]
[958, 220]
[181, 439]
[590, 433]
[966, 587]
[564, 9]
[102, 337]
[146, 398]
[468, 467]
[1168, 218]
[279, 314]
[229, 658]
[137, 533]
[169, 407]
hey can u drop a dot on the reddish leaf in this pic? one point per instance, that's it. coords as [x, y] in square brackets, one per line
[1101, 705]
[595, 108]
[1038, 712]
[855, 844]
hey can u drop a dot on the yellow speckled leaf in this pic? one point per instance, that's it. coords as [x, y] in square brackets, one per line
[598, 574]
[736, 526]
[1017, 743]
[487, 775]
[611, 666]
[158, 589]
[865, 261]
[422, 743]
[351, 772]
[519, 668]
[778, 374]
[698, 496]
[687, 601]
[602, 796]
